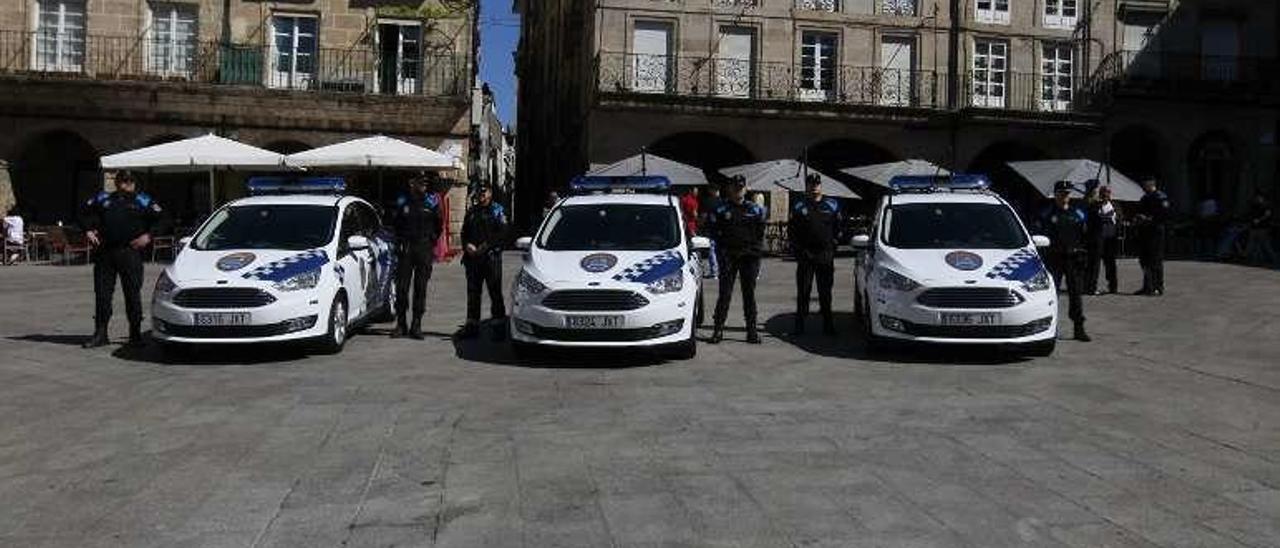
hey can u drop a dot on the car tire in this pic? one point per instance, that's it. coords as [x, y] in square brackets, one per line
[336, 337]
[1041, 349]
[875, 343]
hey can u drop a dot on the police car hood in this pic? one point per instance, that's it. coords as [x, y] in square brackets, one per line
[570, 268]
[245, 265]
[959, 265]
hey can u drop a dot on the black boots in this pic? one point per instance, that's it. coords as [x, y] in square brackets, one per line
[717, 334]
[753, 336]
[135, 337]
[400, 330]
[415, 330]
[1080, 333]
[99, 337]
[468, 331]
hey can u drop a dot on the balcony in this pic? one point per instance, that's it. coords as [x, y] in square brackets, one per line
[1151, 6]
[1186, 76]
[354, 70]
[730, 81]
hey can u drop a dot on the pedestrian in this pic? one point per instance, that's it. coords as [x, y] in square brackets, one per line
[1066, 225]
[1093, 237]
[738, 225]
[418, 224]
[1259, 248]
[689, 211]
[14, 235]
[1108, 217]
[118, 226]
[812, 229]
[484, 231]
[1153, 212]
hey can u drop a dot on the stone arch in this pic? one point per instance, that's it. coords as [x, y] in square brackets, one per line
[833, 155]
[706, 150]
[1213, 169]
[993, 161]
[53, 174]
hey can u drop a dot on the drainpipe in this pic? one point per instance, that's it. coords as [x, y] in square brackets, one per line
[953, 80]
[226, 22]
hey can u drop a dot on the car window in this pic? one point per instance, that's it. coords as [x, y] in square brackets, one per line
[953, 225]
[633, 227]
[276, 226]
[351, 226]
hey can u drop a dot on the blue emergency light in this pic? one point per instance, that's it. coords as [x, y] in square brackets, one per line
[933, 183]
[262, 186]
[631, 183]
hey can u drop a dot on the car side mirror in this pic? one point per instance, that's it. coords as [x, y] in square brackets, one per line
[860, 241]
[1041, 241]
[357, 242]
[524, 243]
[183, 243]
[700, 243]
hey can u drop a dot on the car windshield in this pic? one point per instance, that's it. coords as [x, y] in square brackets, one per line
[289, 227]
[627, 227]
[952, 225]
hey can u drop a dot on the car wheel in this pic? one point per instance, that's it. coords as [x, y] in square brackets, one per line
[698, 313]
[875, 343]
[337, 336]
[1041, 349]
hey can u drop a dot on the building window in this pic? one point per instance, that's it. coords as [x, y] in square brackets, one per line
[172, 39]
[60, 37]
[1057, 77]
[651, 57]
[832, 6]
[990, 72]
[1060, 14]
[993, 11]
[400, 57]
[817, 66]
[735, 66]
[898, 7]
[293, 45]
[1220, 49]
[897, 70]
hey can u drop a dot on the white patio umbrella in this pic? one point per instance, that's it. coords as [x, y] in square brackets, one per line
[648, 164]
[1042, 174]
[881, 174]
[374, 152]
[788, 174]
[209, 153]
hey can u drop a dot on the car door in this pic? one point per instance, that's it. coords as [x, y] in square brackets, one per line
[353, 265]
[376, 258]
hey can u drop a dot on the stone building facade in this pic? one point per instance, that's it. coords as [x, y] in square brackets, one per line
[80, 79]
[967, 84]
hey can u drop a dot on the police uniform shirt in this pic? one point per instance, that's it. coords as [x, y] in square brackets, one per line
[485, 226]
[418, 219]
[813, 227]
[739, 227]
[120, 217]
[1066, 228]
[1154, 206]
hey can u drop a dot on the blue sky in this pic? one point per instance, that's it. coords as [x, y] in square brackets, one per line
[499, 35]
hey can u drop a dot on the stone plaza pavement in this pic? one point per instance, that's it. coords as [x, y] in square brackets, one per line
[1165, 431]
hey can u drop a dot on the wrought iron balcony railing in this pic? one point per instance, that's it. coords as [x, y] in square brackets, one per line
[643, 75]
[1161, 73]
[358, 69]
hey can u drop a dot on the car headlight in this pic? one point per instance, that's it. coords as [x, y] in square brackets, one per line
[306, 280]
[896, 282]
[1039, 282]
[527, 285]
[164, 284]
[667, 284]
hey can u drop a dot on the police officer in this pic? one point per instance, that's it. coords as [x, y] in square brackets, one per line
[812, 229]
[738, 227]
[118, 226]
[1153, 211]
[484, 231]
[1066, 225]
[418, 224]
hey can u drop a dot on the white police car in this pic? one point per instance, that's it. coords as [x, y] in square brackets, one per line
[295, 261]
[948, 261]
[610, 267]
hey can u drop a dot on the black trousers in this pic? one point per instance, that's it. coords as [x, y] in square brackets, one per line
[1070, 268]
[1092, 266]
[731, 268]
[111, 263]
[484, 272]
[1151, 256]
[413, 271]
[1111, 250]
[806, 271]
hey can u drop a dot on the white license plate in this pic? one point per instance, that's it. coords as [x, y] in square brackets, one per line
[970, 318]
[222, 319]
[593, 322]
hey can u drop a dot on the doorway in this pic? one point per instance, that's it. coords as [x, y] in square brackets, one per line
[400, 56]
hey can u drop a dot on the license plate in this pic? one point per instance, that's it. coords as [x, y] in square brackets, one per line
[593, 322]
[970, 318]
[221, 319]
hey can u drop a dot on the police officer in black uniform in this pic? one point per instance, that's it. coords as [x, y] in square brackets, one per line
[418, 224]
[737, 225]
[484, 231]
[118, 226]
[812, 230]
[1066, 226]
[1153, 211]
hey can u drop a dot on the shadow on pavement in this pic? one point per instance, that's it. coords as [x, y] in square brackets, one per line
[195, 354]
[67, 340]
[849, 343]
[484, 349]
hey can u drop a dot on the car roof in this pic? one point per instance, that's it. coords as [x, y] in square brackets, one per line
[643, 199]
[295, 199]
[946, 198]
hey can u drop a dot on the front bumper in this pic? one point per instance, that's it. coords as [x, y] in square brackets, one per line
[899, 316]
[665, 320]
[294, 316]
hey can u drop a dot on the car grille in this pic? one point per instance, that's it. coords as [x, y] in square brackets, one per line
[970, 297]
[594, 300]
[978, 331]
[223, 297]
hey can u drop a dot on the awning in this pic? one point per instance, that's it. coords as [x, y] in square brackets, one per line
[787, 174]
[648, 164]
[199, 154]
[881, 174]
[1044, 173]
[374, 152]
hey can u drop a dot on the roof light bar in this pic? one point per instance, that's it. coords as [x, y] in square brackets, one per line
[646, 183]
[261, 186]
[934, 183]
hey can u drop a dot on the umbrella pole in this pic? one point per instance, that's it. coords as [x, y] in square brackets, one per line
[213, 191]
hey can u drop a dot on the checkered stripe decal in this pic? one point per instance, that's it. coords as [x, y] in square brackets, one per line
[1019, 267]
[289, 267]
[652, 269]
